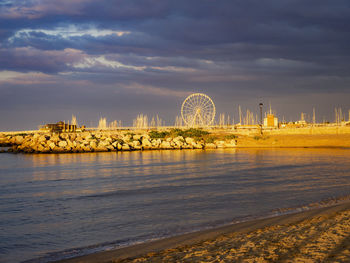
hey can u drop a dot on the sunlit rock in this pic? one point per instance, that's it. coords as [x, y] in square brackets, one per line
[220, 144]
[136, 137]
[19, 139]
[52, 145]
[119, 147]
[93, 144]
[126, 147]
[210, 146]
[136, 143]
[189, 140]
[146, 142]
[165, 145]
[62, 144]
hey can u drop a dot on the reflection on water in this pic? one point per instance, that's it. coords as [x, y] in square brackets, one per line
[50, 203]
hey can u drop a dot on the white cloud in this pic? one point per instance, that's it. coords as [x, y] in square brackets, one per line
[90, 62]
[175, 69]
[98, 61]
[24, 78]
[283, 63]
[9, 75]
[71, 31]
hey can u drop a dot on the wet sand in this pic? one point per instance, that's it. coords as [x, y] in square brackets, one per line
[317, 235]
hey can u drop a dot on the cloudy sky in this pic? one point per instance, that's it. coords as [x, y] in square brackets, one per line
[118, 58]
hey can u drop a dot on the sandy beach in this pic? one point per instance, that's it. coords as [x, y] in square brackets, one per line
[317, 235]
[295, 141]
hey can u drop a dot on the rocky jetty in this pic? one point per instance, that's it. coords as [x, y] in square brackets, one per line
[107, 141]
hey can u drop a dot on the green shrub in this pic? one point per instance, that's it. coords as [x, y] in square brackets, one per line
[157, 134]
[261, 137]
[210, 139]
[230, 137]
[192, 132]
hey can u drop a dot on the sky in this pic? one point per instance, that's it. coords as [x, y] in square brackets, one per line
[119, 58]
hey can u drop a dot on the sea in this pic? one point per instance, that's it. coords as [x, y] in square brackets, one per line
[57, 206]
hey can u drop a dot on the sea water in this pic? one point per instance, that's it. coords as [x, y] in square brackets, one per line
[55, 206]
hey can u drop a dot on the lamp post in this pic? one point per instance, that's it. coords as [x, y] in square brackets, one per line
[261, 119]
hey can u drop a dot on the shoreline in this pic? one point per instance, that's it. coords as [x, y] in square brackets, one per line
[151, 250]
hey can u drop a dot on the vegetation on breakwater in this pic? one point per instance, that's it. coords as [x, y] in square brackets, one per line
[104, 141]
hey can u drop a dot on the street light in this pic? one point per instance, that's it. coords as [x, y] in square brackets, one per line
[261, 119]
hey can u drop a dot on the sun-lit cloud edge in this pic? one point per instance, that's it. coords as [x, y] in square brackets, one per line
[69, 31]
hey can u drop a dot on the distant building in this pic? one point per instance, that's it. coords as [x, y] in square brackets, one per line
[270, 120]
[302, 121]
[59, 127]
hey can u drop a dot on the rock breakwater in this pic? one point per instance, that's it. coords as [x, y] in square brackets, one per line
[108, 141]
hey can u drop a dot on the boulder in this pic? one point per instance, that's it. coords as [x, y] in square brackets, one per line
[36, 136]
[86, 148]
[64, 136]
[165, 145]
[136, 144]
[220, 144]
[146, 142]
[156, 142]
[58, 150]
[52, 145]
[19, 139]
[190, 141]
[101, 148]
[119, 147]
[137, 137]
[187, 146]
[179, 141]
[145, 136]
[126, 147]
[93, 144]
[70, 143]
[104, 143]
[41, 148]
[73, 136]
[55, 138]
[62, 144]
[210, 146]
[108, 140]
[110, 148]
[197, 146]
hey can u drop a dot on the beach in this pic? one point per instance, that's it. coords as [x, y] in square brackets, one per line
[316, 235]
[295, 141]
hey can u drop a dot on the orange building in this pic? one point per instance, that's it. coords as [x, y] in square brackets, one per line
[270, 119]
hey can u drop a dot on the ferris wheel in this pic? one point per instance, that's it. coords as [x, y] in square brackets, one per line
[198, 109]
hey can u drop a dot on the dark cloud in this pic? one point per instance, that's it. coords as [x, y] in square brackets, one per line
[131, 56]
[30, 59]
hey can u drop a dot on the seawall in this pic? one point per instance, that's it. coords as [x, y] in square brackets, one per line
[104, 141]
